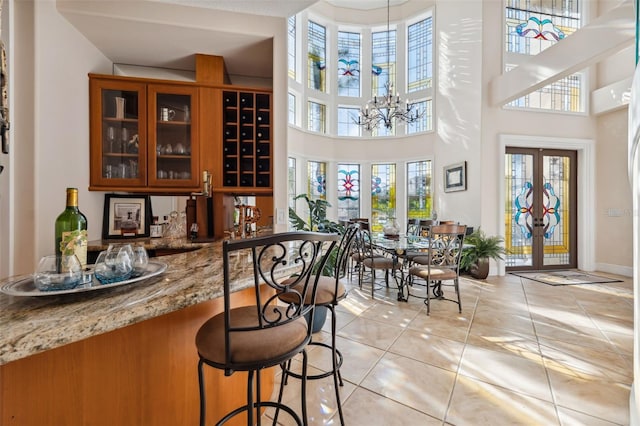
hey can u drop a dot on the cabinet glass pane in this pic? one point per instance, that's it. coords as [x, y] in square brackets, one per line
[120, 140]
[173, 132]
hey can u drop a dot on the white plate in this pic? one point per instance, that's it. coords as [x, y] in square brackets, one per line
[25, 286]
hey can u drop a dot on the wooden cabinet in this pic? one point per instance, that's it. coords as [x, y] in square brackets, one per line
[158, 136]
[246, 141]
[144, 136]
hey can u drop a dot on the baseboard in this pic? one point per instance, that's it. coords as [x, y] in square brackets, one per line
[625, 271]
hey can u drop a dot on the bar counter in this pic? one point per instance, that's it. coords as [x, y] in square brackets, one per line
[122, 355]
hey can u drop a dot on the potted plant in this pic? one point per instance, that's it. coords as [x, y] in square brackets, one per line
[318, 222]
[475, 258]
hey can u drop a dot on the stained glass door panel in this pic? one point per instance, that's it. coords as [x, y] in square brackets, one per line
[540, 207]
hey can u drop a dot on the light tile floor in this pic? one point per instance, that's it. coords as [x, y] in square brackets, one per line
[521, 353]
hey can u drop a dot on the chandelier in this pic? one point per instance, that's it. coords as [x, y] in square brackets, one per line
[386, 109]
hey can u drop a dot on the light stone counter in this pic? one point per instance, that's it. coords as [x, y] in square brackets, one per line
[35, 324]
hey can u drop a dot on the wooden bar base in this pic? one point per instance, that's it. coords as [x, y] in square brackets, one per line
[143, 374]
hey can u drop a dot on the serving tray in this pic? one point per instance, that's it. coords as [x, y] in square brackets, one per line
[26, 287]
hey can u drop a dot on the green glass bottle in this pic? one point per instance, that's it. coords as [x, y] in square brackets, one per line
[71, 229]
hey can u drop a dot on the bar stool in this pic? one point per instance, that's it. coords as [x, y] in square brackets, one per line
[267, 333]
[331, 290]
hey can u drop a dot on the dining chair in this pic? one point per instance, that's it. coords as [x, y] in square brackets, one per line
[441, 263]
[373, 259]
[268, 332]
[331, 290]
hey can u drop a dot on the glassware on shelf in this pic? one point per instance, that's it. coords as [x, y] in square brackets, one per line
[174, 228]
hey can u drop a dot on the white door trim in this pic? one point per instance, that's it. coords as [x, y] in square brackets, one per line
[586, 188]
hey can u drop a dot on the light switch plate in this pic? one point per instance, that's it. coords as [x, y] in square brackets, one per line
[281, 218]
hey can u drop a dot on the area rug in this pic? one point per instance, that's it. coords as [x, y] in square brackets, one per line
[564, 277]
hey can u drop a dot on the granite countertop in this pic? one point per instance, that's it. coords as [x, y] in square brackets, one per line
[35, 324]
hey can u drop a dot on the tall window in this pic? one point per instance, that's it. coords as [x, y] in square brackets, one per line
[292, 108]
[383, 195]
[383, 58]
[347, 121]
[291, 46]
[317, 180]
[536, 25]
[419, 202]
[316, 121]
[425, 122]
[348, 64]
[420, 55]
[348, 191]
[291, 180]
[317, 53]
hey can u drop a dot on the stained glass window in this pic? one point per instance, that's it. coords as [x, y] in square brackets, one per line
[425, 122]
[419, 202]
[317, 117]
[383, 58]
[317, 53]
[291, 46]
[531, 27]
[420, 55]
[347, 121]
[383, 195]
[348, 64]
[348, 191]
[291, 179]
[317, 180]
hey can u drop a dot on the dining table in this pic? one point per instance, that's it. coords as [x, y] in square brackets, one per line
[398, 247]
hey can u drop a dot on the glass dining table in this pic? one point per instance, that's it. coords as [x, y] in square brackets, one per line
[398, 248]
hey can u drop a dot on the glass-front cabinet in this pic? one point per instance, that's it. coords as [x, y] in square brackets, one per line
[118, 134]
[173, 155]
[143, 136]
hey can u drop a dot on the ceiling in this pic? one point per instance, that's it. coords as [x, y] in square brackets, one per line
[168, 33]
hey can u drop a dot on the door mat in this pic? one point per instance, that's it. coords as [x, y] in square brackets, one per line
[564, 277]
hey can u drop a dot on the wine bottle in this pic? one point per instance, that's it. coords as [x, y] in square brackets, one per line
[71, 229]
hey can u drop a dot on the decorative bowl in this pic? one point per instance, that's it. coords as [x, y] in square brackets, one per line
[58, 272]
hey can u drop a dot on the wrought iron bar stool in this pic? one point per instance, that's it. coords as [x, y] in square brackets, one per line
[269, 332]
[331, 290]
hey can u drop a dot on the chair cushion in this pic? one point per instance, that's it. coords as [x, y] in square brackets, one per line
[326, 293]
[422, 259]
[435, 273]
[379, 263]
[250, 347]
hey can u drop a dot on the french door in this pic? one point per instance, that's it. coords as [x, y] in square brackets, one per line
[540, 209]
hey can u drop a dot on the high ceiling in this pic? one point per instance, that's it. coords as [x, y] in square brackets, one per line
[168, 33]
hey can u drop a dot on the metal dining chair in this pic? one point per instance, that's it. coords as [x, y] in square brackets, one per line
[441, 263]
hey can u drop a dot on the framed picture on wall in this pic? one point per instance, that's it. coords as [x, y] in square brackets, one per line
[455, 177]
[126, 216]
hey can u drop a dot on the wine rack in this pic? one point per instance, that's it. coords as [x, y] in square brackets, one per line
[246, 139]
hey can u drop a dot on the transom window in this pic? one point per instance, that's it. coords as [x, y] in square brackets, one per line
[533, 26]
[420, 55]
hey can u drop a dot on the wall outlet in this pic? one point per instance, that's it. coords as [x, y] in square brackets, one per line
[281, 218]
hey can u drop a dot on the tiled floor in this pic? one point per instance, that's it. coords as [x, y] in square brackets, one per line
[521, 353]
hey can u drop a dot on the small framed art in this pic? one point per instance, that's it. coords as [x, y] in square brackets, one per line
[126, 216]
[455, 177]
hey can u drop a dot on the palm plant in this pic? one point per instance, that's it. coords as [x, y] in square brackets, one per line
[475, 257]
[317, 222]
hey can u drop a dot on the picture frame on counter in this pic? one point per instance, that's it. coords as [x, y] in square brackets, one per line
[126, 216]
[455, 177]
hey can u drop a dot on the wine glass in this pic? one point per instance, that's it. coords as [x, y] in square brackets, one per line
[140, 261]
[114, 264]
[111, 137]
[58, 272]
